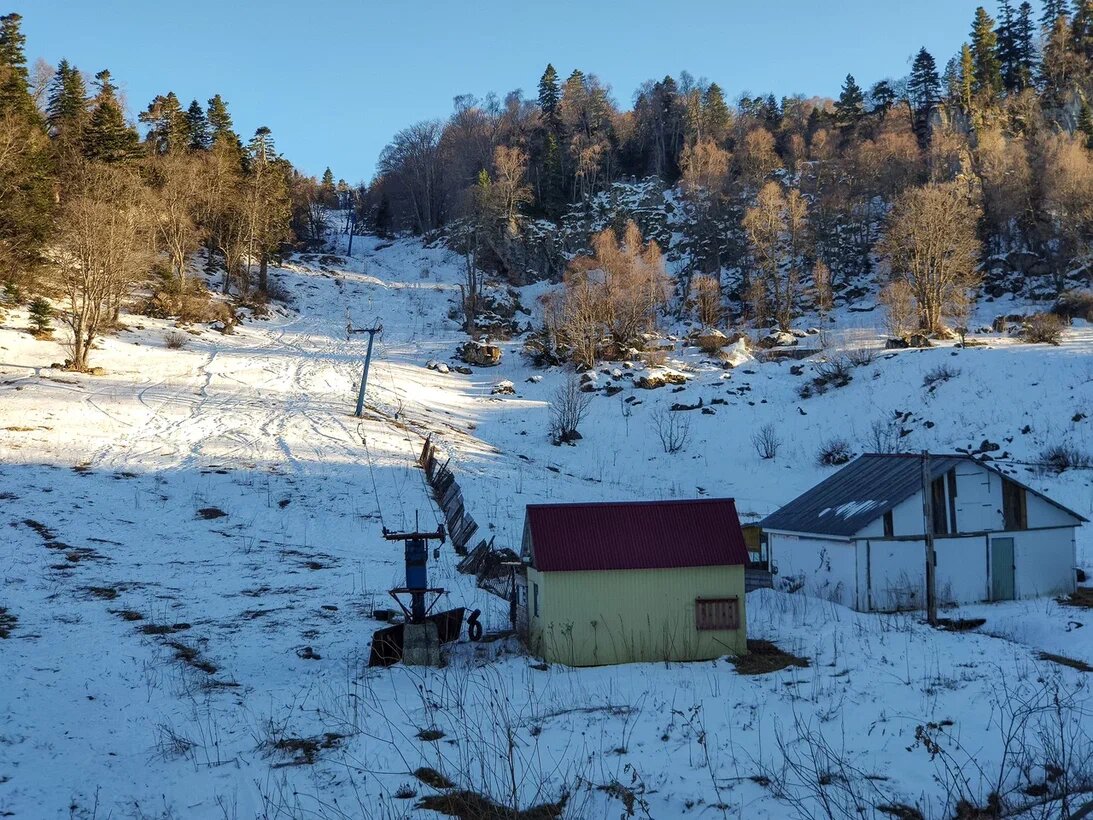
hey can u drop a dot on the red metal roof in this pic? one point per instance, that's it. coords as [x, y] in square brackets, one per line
[635, 535]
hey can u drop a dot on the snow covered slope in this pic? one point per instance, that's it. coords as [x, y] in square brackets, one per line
[192, 552]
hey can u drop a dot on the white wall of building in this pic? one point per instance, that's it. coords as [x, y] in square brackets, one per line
[897, 575]
[978, 499]
[962, 569]
[820, 567]
[1044, 560]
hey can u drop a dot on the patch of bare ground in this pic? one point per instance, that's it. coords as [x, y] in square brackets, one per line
[305, 750]
[1063, 660]
[192, 657]
[960, 624]
[764, 657]
[1082, 597]
[470, 805]
[7, 622]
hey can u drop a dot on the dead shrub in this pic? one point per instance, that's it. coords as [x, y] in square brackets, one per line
[568, 408]
[766, 441]
[939, 375]
[1074, 304]
[175, 340]
[673, 430]
[834, 452]
[1058, 458]
[1043, 328]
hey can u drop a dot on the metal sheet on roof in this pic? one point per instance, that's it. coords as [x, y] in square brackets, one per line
[858, 494]
[635, 535]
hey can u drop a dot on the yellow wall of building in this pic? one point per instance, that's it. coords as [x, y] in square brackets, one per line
[630, 616]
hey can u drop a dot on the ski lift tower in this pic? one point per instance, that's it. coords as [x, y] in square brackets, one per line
[421, 638]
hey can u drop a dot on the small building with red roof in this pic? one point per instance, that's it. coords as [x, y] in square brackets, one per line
[630, 582]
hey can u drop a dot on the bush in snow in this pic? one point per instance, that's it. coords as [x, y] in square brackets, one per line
[673, 429]
[766, 441]
[886, 435]
[835, 451]
[568, 408]
[833, 373]
[939, 375]
[1059, 458]
[1074, 304]
[175, 340]
[1043, 328]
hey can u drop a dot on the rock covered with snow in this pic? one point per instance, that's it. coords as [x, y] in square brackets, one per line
[659, 377]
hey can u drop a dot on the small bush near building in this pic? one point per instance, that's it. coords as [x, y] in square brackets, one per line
[1043, 328]
[834, 452]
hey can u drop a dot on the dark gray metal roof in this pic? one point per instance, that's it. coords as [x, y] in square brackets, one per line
[864, 490]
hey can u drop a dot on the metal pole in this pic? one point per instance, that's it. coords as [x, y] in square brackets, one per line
[352, 230]
[372, 331]
[931, 557]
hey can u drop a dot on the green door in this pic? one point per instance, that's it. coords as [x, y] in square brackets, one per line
[1002, 569]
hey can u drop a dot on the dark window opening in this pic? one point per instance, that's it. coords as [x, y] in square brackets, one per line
[940, 508]
[717, 613]
[889, 525]
[535, 598]
[1014, 506]
[952, 501]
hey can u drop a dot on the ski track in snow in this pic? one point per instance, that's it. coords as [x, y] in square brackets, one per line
[102, 480]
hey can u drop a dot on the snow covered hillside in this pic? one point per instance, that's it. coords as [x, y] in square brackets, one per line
[192, 553]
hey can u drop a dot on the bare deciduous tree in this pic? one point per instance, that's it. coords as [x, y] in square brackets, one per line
[614, 294]
[178, 193]
[104, 247]
[932, 244]
[568, 408]
[899, 302]
[707, 298]
[673, 429]
[777, 230]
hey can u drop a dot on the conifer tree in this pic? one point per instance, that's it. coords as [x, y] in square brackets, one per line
[14, 77]
[715, 113]
[26, 184]
[1025, 45]
[923, 92]
[167, 128]
[108, 137]
[221, 129]
[266, 203]
[41, 316]
[549, 95]
[197, 127]
[882, 97]
[1085, 124]
[967, 78]
[1053, 10]
[1007, 49]
[1082, 29]
[66, 106]
[984, 45]
[850, 106]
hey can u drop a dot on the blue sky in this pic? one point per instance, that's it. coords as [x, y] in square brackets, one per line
[335, 79]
